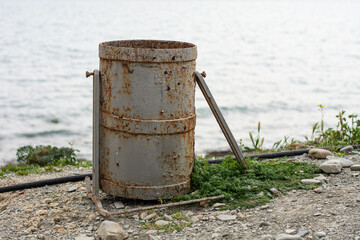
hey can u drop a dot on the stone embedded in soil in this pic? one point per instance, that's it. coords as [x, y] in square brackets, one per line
[240, 216]
[355, 167]
[332, 167]
[168, 217]
[109, 230]
[310, 181]
[320, 177]
[319, 153]
[72, 189]
[204, 204]
[224, 217]
[267, 237]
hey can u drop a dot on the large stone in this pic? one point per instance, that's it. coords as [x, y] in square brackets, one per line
[343, 161]
[109, 230]
[331, 167]
[285, 236]
[319, 153]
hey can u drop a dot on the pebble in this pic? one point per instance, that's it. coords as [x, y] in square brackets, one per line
[347, 149]
[119, 205]
[285, 236]
[72, 189]
[161, 222]
[204, 204]
[355, 167]
[320, 177]
[291, 231]
[224, 217]
[217, 205]
[109, 230]
[302, 233]
[274, 191]
[320, 234]
[240, 216]
[150, 216]
[168, 217]
[310, 181]
[332, 167]
[143, 215]
[267, 237]
[319, 153]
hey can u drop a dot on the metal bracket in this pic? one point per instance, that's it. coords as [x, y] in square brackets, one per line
[219, 118]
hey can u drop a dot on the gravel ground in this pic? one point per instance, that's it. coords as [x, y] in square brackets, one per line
[64, 212]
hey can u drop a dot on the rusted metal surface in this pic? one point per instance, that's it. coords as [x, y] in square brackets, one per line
[219, 118]
[147, 118]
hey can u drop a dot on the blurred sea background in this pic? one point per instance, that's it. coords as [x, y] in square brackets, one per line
[271, 61]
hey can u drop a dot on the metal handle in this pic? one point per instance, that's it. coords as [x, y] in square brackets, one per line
[219, 118]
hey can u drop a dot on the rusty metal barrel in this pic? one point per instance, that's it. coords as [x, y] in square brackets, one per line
[147, 118]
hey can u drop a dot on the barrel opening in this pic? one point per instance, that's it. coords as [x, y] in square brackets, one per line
[151, 44]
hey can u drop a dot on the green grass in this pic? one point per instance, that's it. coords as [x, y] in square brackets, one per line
[247, 188]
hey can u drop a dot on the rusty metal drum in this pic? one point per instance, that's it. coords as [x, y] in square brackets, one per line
[147, 118]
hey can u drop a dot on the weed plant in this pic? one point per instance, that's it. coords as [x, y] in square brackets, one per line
[247, 188]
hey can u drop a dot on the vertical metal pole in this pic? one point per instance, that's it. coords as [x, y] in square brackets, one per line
[96, 158]
[220, 119]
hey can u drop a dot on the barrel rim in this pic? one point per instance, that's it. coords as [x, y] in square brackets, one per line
[148, 51]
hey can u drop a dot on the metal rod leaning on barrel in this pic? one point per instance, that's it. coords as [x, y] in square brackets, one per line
[219, 118]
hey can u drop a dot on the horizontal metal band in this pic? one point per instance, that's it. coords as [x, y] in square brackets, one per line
[147, 192]
[150, 127]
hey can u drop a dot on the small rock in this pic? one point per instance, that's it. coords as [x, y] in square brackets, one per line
[260, 194]
[47, 200]
[215, 235]
[320, 234]
[162, 222]
[319, 153]
[318, 190]
[224, 217]
[317, 214]
[355, 167]
[72, 189]
[310, 181]
[240, 216]
[217, 205]
[90, 218]
[291, 231]
[150, 216]
[195, 219]
[40, 236]
[189, 214]
[267, 237]
[168, 217]
[109, 230]
[41, 212]
[285, 236]
[302, 233]
[274, 191]
[204, 204]
[320, 177]
[143, 215]
[119, 205]
[57, 218]
[333, 167]
[83, 237]
[347, 149]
